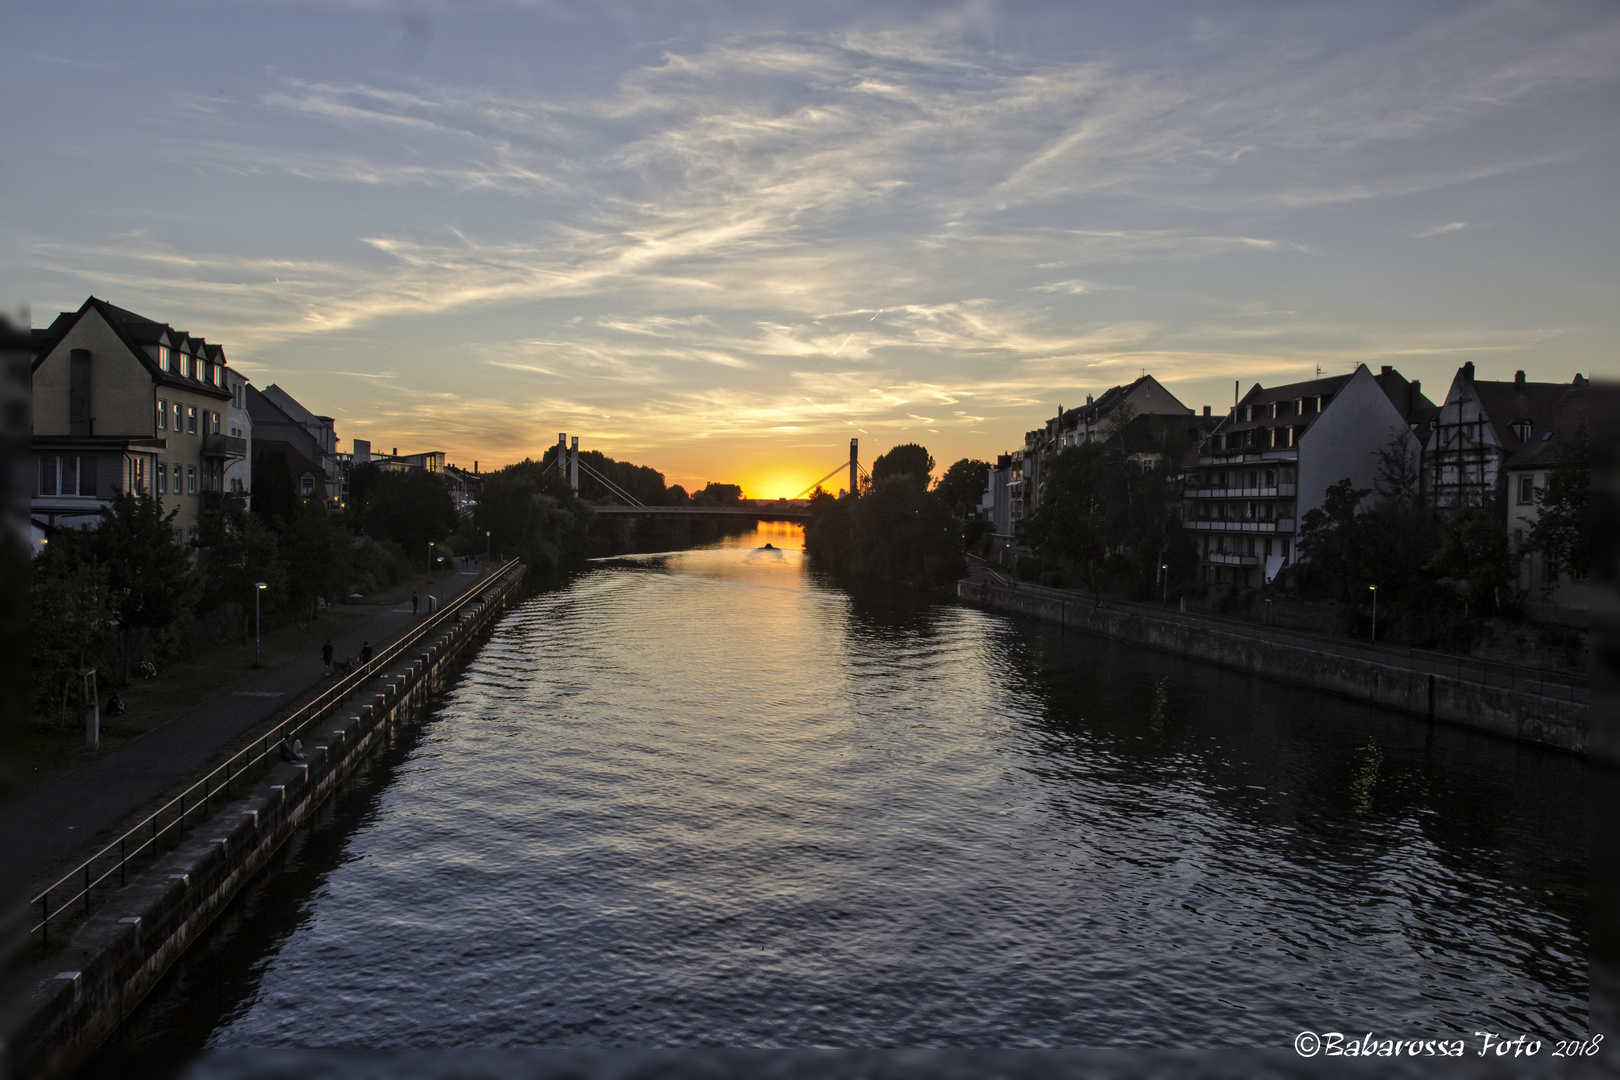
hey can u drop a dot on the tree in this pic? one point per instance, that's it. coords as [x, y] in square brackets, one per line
[963, 485]
[1331, 545]
[275, 499]
[149, 578]
[411, 507]
[896, 532]
[236, 551]
[676, 495]
[1076, 519]
[319, 554]
[718, 495]
[906, 460]
[1397, 475]
[1563, 525]
[70, 617]
[529, 510]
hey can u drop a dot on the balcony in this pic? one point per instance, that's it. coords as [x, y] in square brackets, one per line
[224, 446]
[1281, 525]
[1224, 559]
[1280, 491]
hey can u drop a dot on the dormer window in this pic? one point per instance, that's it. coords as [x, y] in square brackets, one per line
[188, 365]
[1522, 428]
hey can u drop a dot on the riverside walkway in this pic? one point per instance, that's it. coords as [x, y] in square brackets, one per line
[45, 827]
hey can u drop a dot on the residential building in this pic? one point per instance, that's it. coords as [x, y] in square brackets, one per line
[1550, 591]
[122, 402]
[1480, 425]
[464, 485]
[1272, 459]
[1099, 419]
[275, 431]
[322, 431]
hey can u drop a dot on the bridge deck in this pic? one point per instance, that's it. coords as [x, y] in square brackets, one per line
[790, 513]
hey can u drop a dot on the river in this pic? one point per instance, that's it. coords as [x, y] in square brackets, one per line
[712, 798]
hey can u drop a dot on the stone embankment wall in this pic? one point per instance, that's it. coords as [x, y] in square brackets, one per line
[120, 952]
[1550, 713]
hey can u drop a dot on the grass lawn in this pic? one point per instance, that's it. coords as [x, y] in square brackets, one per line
[179, 687]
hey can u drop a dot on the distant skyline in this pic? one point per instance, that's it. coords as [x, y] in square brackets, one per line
[721, 239]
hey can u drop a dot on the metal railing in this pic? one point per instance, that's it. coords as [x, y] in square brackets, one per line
[197, 800]
[1548, 684]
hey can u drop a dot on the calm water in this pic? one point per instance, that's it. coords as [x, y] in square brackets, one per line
[710, 799]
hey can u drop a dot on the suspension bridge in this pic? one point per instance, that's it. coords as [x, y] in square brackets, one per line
[571, 466]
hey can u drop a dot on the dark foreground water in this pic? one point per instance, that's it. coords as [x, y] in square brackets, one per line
[710, 799]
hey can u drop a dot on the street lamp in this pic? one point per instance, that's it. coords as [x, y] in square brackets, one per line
[1374, 589]
[1164, 568]
[258, 590]
[440, 583]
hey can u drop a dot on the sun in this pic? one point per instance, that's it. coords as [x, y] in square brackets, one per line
[777, 484]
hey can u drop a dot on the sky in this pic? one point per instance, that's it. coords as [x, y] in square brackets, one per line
[722, 239]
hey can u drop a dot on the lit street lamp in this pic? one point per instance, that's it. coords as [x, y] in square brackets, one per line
[1374, 589]
[1164, 569]
[258, 590]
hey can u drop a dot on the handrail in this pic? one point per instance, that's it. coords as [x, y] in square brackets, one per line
[290, 727]
[1534, 680]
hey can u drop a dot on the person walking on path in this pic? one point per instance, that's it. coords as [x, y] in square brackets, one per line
[326, 655]
[365, 654]
[416, 600]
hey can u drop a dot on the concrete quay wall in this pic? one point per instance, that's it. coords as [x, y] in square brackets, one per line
[1452, 695]
[118, 954]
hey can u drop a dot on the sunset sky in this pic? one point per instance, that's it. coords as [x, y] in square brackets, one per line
[721, 239]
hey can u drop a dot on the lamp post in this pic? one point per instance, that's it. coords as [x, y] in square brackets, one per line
[1374, 589]
[258, 590]
[440, 584]
[1164, 569]
[489, 548]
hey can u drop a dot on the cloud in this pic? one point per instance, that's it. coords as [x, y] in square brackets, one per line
[1439, 229]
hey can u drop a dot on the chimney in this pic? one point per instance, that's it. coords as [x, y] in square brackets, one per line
[1468, 371]
[1385, 369]
[1417, 388]
[394, 452]
[1518, 380]
[1088, 399]
[1206, 410]
[475, 464]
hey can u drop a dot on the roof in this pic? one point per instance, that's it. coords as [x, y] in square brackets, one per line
[135, 331]
[1505, 403]
[1567, 418]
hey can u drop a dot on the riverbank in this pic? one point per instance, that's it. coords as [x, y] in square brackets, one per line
[1520, 705]
[74, 996]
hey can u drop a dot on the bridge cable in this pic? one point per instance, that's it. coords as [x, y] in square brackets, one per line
[611, 486]
[841, 466]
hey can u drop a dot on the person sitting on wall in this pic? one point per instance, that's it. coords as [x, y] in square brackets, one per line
[291, 749]
[116, 706]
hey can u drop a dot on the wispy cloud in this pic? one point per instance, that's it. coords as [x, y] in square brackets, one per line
[1440, 229]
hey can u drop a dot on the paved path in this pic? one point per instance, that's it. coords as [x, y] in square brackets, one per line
[51, 823]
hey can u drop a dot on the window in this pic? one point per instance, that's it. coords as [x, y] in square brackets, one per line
[1248, 412]
[178, 422]
[191, 479]
[87, 475]
[1527, 490]
[162, 478]
[1550, 561]
[213, 426]
[47, 476]
[309, 485]
[188, 365]
[191, 419]
[163, 415]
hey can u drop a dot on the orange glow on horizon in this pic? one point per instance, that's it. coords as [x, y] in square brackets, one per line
[779, 483]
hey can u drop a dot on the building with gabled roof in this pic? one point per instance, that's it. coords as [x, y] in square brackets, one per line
[122, 402]
[1477, 428]
[1273, 457]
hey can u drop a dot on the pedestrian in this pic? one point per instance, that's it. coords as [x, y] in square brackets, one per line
[115, 705]
[416, 601]
[326, 655]
[292, 749]
[365, 653]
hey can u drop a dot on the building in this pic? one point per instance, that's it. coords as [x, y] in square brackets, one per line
[1272, 459]
[275, 431]
[464, 485]
[125, 403]
[1477, 429]
[1100, 419]
[322, 431]
[1550, 591]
